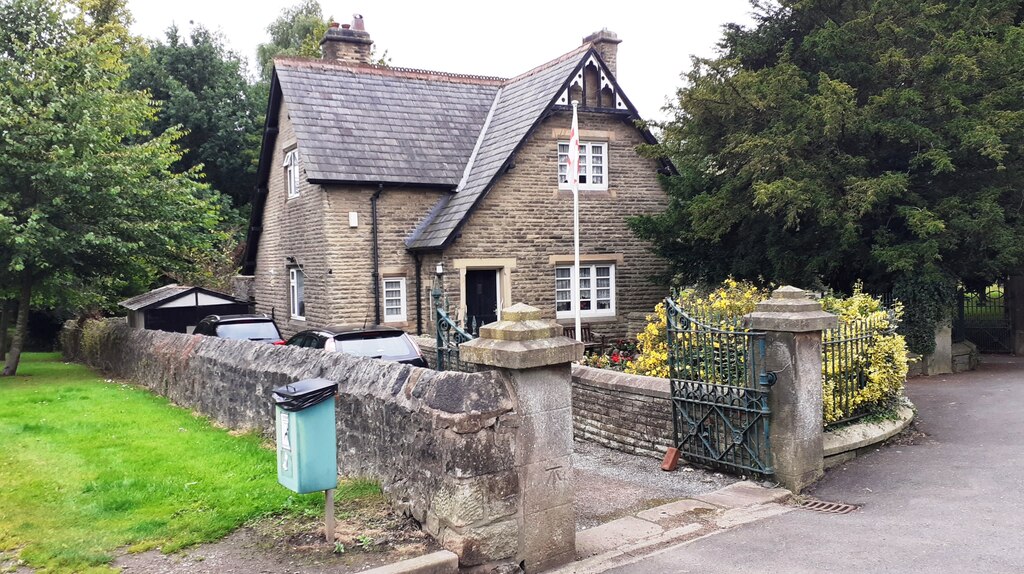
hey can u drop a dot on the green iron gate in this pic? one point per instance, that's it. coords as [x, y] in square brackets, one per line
[985, 319]
[448, 336]
[719, 394]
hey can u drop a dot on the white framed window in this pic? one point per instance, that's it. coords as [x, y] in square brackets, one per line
[597, 290]
[593, 166]
[291, 172]
[297, 293]
[394, 300]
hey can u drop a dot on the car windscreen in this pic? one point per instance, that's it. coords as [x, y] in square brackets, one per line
[254, 331]
[382, 345]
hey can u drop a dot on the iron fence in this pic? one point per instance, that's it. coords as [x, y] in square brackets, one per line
[846, 364]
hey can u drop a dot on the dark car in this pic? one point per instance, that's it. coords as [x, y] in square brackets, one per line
[257, 327]
[374, 341]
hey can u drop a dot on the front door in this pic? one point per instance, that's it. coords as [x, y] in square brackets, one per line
[481, 298]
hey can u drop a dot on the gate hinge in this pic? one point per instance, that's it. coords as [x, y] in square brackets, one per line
[768, 379]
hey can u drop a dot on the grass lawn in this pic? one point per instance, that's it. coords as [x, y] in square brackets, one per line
[89, 467]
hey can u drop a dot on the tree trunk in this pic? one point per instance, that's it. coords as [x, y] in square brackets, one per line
[6, 309]
[21, 328]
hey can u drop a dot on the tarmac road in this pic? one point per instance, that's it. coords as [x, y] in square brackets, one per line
[950, 501]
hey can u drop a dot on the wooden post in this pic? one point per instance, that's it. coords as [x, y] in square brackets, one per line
[329, 515]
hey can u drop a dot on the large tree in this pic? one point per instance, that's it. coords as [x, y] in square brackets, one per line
[204, 88]
[88, 199]
[296, 32]
[839, 140]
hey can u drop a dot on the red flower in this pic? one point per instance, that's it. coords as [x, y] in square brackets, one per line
[615, 357]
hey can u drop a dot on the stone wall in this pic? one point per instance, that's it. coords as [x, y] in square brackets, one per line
[629, 413]
[442, 445]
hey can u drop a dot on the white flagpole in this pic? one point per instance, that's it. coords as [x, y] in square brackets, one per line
[574, 168]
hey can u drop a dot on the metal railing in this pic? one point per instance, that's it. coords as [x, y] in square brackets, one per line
[846, 363]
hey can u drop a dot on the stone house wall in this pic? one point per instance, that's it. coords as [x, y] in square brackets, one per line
[525, 217]
[441, 444]
[292, 227]
[523, 225]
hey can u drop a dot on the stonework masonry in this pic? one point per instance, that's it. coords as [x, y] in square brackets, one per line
[524, 220]
[441, 444]
[292, 227]
[525, 216]
[628, 413]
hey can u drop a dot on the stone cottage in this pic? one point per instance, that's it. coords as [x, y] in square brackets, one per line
[371, 179]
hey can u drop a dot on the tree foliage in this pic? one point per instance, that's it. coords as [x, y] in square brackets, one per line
[296, 32]
[837, 140]
[204, 88]
[89, 200]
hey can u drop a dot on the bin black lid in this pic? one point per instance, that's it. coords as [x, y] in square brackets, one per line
[304, 394]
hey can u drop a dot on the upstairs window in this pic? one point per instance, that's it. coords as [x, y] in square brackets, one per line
[394, 300]
[593, 166]
[297, 293]
[597, 291]
[291, 172]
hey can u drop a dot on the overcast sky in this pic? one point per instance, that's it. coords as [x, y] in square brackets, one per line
[489, 37]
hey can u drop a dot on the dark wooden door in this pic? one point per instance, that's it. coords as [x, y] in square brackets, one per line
[481, 298]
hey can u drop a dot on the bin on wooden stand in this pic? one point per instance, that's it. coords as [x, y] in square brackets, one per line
[307, 443]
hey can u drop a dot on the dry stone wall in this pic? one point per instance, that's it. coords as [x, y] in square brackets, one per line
[441, 444]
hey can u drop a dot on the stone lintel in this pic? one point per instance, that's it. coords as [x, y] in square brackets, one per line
[789, 310]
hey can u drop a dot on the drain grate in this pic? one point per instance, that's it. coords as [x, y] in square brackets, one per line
[827, 507]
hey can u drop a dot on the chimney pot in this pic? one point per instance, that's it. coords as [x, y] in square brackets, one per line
[347, 43]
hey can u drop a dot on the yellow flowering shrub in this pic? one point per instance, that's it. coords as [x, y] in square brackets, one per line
[720, 308]
[883, 357]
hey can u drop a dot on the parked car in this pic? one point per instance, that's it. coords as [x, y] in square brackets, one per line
[258, 327]
[374, 341]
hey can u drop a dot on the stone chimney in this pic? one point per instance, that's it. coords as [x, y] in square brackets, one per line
[347, 44]
[606, 43]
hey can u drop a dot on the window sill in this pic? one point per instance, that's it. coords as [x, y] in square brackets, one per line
[584, 319]
[604, 194]
[294, 318]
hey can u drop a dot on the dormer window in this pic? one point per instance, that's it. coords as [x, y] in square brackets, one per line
[291, 172]
[593, 166]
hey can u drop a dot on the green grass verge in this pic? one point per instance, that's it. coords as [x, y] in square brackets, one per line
[88, 467]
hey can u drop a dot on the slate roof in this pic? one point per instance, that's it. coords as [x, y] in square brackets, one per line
[517, 109]
[383, 125]
[158, 295]
[370, 124]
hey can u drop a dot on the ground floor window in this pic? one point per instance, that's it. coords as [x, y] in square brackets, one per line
[394, 300]
[296, 293]
[597, 290]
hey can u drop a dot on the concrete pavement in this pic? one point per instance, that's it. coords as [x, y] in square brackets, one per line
[949, 501]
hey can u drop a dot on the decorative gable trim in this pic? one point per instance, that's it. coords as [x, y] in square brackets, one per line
[606, 81]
